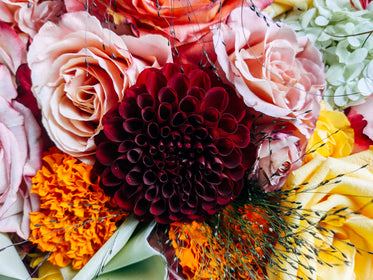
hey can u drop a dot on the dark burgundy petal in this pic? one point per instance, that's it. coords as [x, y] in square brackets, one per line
[241, 137]
[151, 193]
[134, 177]
[134, 155]
[155, 81]
[228, 123]
[189, 104]
[114, 130]
[132, 125]
[129, 110]
[225, 146]
[148, 114]
[144, 100]
[164, 112]
[199, 78]
[141, 207]
[157, 207]
[107, 153]
[179, 84]
[233, 159]
[215, 98]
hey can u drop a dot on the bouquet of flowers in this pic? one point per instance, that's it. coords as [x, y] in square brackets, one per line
[186, 139]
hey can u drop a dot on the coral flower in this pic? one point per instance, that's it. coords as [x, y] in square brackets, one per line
[74, 220]
[177, 147]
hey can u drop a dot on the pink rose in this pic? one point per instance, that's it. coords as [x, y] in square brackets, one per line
[80, 70]
[11, 48]
[278, 154]
[20, 158]
[28, 16]
[275, 72]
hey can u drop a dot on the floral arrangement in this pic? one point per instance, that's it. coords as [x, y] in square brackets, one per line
[186, 139]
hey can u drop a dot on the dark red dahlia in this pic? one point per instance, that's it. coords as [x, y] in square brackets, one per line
[176, 147]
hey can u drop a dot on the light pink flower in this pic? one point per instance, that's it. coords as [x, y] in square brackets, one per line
[278, 154]
[274, 71]
[80, 70]
[20, 158]
[29, 15]
[11, 48]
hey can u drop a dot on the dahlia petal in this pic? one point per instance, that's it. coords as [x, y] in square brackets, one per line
[225, 188]
[141, 206]
[211, 116]
[145, 100]
[153, 130]
[129, 110]
[125, 146]
[165, 132]
[119, 168]
[174, 203]
[107, 153]
[157, 207]
[178, 119]
[241, 137]
[134, 155]
[199, 79]
[233, 159]
[134, 177]
[108, 179]
[228, 123]
[237, 173]
[149, 177]
[215, 98]
[164, 112]
[210, 194]
[155, 81]
[151, 193]
[140, 140]
[148, 114]
[167, 190]
[132, 125]
[196, 92]
[189, 104]
[127, 205]
[162, 177]
[225, 146]
[114, 130]
[179, 84]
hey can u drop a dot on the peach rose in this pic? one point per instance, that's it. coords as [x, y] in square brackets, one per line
[28, 16]
[20, 158]
[80, 70]
[275, 72]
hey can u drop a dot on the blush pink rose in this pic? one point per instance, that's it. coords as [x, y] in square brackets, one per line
[11, 48]
[275, 72]
[28, 16]
[80, 71]
[278, 154]
[20, 158]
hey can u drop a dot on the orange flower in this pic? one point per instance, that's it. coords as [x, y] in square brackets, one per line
[75, 217]
[236, 251]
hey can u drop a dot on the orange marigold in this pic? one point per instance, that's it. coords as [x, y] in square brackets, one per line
[76, 217]
[236, 251]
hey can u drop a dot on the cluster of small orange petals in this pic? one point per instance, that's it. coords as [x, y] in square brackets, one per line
[203, 255]
[197, 250]
[75, 217]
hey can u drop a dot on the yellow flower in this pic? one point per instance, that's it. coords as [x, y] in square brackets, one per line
[332, 230]
[333, 136]
[279, 7]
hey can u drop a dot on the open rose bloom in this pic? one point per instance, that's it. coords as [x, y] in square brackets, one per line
[20, 152]
[82, 73]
